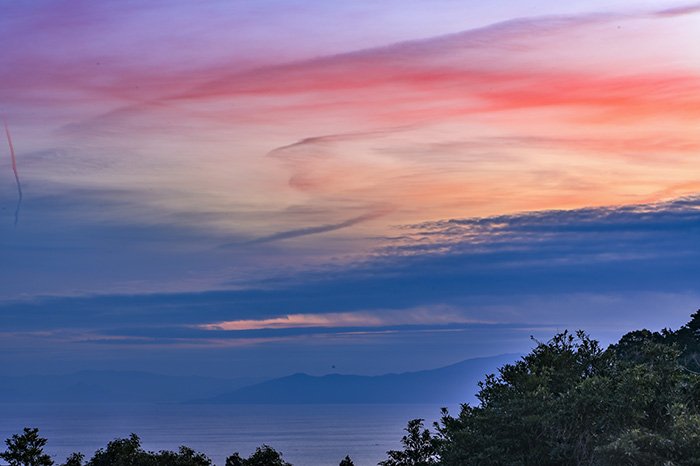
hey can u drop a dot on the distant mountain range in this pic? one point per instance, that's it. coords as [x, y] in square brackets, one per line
[454, 383]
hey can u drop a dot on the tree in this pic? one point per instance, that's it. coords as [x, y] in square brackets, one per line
[346, 461]
[569, 402]
[184, 457]
[263, 456]
[419, 448]
[128, 452]
[235, 460]
[26, 449]
[121, 452]
[75, 459]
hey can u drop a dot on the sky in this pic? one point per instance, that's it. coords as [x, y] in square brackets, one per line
[244, 188]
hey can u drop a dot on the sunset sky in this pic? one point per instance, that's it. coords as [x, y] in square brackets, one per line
[273, 186]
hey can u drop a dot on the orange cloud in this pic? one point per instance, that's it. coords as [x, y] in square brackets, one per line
[557, 112]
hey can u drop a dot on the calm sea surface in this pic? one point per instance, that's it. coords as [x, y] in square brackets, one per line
[307, 435]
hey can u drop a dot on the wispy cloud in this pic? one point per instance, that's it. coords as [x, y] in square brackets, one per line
[436, 124]
[314, 230]
[690, 9]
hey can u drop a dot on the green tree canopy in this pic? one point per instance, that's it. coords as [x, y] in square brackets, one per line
[569, 402]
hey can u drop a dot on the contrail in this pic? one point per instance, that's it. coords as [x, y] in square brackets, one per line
[14, 169]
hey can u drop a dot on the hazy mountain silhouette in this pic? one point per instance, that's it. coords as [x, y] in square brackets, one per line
[454, 383]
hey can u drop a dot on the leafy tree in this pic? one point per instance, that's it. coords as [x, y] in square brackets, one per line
[263, 456]
[569, 402]
[419, 448]
[26, 449]
[346, 461]
[686, 340]
[75, 459]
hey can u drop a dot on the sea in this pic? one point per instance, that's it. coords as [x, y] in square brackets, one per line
[307, 435]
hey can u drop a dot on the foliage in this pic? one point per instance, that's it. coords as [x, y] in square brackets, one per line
[263, 456]
[235, 460]
[121, 452]
[75, 459]
[678, 446]
[26, 449]
[569, 402]
[347, 461]
[419, 448]
[184, 457]
[128, 452]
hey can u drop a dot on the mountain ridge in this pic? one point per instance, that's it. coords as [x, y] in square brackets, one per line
[453, 383]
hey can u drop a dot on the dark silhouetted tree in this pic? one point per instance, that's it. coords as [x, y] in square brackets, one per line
[26, 449]
[346, 461]
[128, 452]
[235, 460]
[184, 457]
[75, 459]
[263, 456]
[419, 448]
[121, 452]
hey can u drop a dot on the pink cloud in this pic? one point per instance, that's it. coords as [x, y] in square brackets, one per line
[435, 315]
[553, 112]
